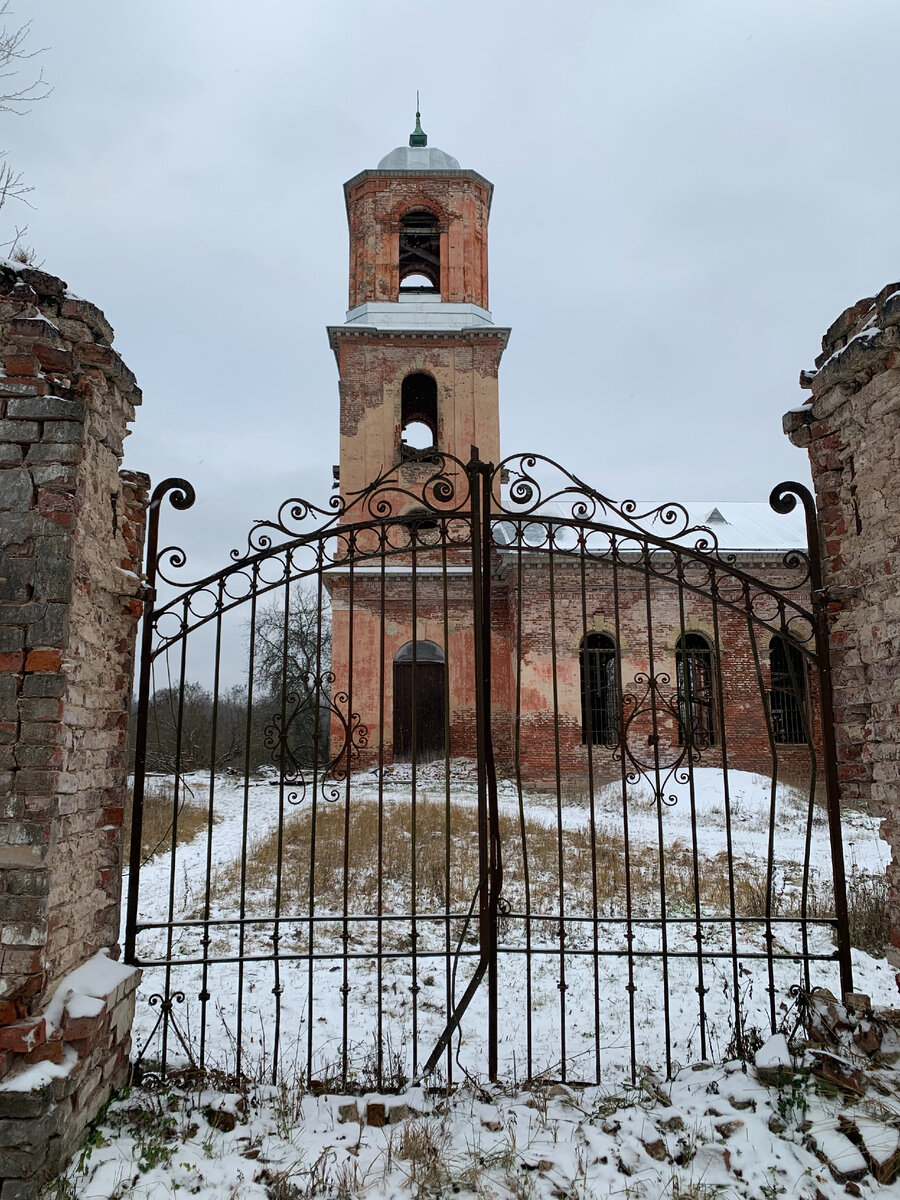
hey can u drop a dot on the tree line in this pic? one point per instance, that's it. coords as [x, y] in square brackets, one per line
[192, 729]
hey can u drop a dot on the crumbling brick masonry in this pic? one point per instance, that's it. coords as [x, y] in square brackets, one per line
[71, 541]
[851, 428]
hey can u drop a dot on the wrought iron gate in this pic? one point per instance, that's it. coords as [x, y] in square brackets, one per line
[624, 847]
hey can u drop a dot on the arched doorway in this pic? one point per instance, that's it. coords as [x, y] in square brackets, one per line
[419, 702]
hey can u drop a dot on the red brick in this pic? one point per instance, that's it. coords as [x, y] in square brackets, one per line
[87, 1030]
[22, 365]
[22, 1037]
[43, 660]
[50, 1051]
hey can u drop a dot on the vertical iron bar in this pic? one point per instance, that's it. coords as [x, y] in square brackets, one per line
[345, 928]
[182, 498]
[210, 818]
[379, 885]
[176, 791]
[414, 882]
[314, 807]
[245, 821]
[653, 692]
[782, 501]
[448, 945]
[773, 792]
[686, 716]
[622, 732]
[523, 828]
[829, 754]
[484, 913]
[496, 852]
[726, 795]
[589, 739]
[560, 870]
[277, 986]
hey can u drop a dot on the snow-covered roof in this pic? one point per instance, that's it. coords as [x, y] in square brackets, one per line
[741, 525]
[748, 524]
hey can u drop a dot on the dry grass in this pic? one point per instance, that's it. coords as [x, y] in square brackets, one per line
[870, 927]
[447, 868]
[156, 827]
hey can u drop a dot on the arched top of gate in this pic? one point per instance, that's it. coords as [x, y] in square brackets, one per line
[540, 507]
[532, 485]
[535, 504]
[443, 488]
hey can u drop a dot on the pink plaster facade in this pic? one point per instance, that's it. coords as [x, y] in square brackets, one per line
[537, 689]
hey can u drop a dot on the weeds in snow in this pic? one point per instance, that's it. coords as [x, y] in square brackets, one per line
[192, 811]
[446, 866]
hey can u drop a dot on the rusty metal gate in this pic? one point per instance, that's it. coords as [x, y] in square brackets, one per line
[479, 772]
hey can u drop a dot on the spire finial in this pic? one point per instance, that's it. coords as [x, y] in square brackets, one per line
[418, 137]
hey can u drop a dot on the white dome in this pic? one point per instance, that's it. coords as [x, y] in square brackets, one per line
[418, 158]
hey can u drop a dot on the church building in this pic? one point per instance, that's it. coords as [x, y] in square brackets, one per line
[603, 659]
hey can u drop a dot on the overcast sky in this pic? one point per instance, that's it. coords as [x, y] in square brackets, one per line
[687, 193]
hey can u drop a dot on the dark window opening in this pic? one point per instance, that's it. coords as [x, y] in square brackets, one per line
[787, 694]
[420, 520]
[696, 694]
[423, 651]
[599, 693]
[418, 412]
[419, 708]
[420, 253]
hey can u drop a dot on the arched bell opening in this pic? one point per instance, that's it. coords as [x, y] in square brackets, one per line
[418, 412]
[420, 254]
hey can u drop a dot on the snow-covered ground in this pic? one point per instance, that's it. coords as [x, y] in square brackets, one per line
[596, 998]
[713, 1131]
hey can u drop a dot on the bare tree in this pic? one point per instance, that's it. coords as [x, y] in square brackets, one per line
[17, 100]
[293, 660]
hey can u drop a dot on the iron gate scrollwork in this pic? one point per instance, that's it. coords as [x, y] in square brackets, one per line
[607, 863]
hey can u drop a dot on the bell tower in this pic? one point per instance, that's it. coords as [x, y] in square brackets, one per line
[418, 354]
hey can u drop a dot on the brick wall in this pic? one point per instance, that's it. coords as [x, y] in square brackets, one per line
[71, 539]
[459, 200]
[373, 364]
[850, 426]
[548, 699]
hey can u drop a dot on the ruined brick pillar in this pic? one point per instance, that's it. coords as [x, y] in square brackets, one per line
[851, 428]
[71, 540]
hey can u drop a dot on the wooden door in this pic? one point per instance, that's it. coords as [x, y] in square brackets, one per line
[428, 705]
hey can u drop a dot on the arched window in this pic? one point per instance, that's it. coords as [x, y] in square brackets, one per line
[421, 651]
[419, 707]
[696, 695]
[420, 252]
[599, 693]
[787, 692]
[418, 411]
